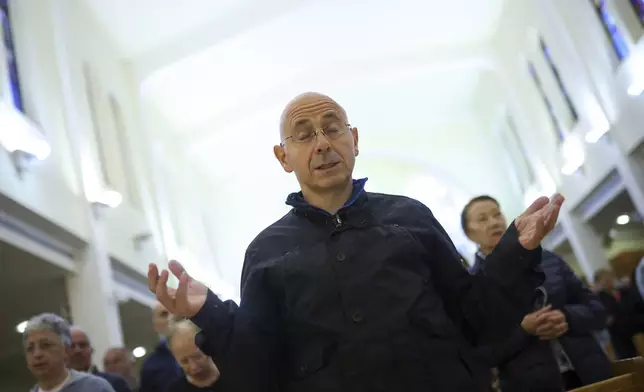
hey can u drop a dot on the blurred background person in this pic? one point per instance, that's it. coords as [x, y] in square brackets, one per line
[560, 338]
[47, 342]
[625, 318]
[160, 370]
[119, 360]
[80, 359]
[201, 373]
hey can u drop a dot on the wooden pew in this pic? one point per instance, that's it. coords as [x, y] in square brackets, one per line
[629, 377]
[638, 341]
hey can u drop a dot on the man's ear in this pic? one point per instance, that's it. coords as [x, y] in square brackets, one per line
[280, 155]
[354, 132]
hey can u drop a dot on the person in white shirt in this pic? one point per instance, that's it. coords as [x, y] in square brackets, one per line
[47, 344]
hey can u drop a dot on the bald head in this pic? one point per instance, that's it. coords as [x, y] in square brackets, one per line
[161, 319]
[302, 102]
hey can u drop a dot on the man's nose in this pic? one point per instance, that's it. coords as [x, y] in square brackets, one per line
[321, 142]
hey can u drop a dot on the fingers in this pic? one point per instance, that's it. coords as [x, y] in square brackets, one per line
[153, 277]
[542, 311]
[165, 295]
[176, 268]
[181, 298]
[552, 213]
[537, 205]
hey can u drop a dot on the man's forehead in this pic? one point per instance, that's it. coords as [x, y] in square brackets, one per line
[309, 103]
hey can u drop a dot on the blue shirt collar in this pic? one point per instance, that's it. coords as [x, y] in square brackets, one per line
[296, 199]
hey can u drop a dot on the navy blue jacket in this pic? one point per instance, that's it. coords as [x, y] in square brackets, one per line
[160, 370]
[373, 298]
[525, 360]
[117, 382]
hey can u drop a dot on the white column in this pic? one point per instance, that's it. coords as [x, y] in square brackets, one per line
[585, 243]
[90, 291]
[93, 305]
[632, 173]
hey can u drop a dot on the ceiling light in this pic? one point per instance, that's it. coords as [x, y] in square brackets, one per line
[20, 328]
[107, 198]
[139, 352]
[623, 219]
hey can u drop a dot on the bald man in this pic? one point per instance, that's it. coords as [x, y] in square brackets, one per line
[80, 359]
[119, 360]
[160, 370]
[358, 291]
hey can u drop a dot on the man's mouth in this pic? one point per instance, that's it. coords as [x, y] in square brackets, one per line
[326, 166]
[497, 233]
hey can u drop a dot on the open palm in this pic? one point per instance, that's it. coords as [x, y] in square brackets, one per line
[538, 220]
[184, 301]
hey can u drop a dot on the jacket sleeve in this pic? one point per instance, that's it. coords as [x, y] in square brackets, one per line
[489, 305]
[120, 385]
[244, 341]
[100, 385]
[497, 354]
[584, 311]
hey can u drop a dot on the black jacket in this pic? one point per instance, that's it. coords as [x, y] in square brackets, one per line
[159, 370]
[117, 382]
[373, 298]
[527, 363]
[182, 385]
[626, 319]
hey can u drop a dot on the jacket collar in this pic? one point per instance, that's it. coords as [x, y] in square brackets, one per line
[296, 199]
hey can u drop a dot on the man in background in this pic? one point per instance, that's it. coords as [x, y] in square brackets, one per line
[160, 370]
[119, 360]
[81, 360]
[201, 373]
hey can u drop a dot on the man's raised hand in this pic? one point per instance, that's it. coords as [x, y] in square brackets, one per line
[184, 301]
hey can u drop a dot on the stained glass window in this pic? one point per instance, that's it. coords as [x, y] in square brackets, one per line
[562, 87]
[559, 133]
[616, 37]
[9, 49]
[638, 5]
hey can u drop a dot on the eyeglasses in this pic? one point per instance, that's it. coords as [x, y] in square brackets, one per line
[307, 135]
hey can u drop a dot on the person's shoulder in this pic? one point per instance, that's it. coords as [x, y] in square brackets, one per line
[114, 379]
[388, 203]
[91, 382]
[274, 234]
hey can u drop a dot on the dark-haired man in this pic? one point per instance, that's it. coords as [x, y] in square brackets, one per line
[555, 337]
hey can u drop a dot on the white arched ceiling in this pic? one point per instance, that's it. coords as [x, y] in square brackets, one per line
[415, 76]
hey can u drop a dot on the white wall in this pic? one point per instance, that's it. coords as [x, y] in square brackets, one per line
[587, 65]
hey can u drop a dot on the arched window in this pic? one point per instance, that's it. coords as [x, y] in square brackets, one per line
[562, 87]
[614, 34]
[638, 5]
[514, 137]
[559, 133]
[124, 152]
[12, 68]
[88, 78]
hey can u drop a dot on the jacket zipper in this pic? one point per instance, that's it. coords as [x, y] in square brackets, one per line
[337, 221]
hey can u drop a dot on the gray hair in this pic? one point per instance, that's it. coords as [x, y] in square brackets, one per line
[49, 322]
[180, 326]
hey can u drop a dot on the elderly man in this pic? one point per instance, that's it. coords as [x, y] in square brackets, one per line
[81, 360]
[201, 373]
[159, 370]
[357, 291]
[47, 341]
[120, 361]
